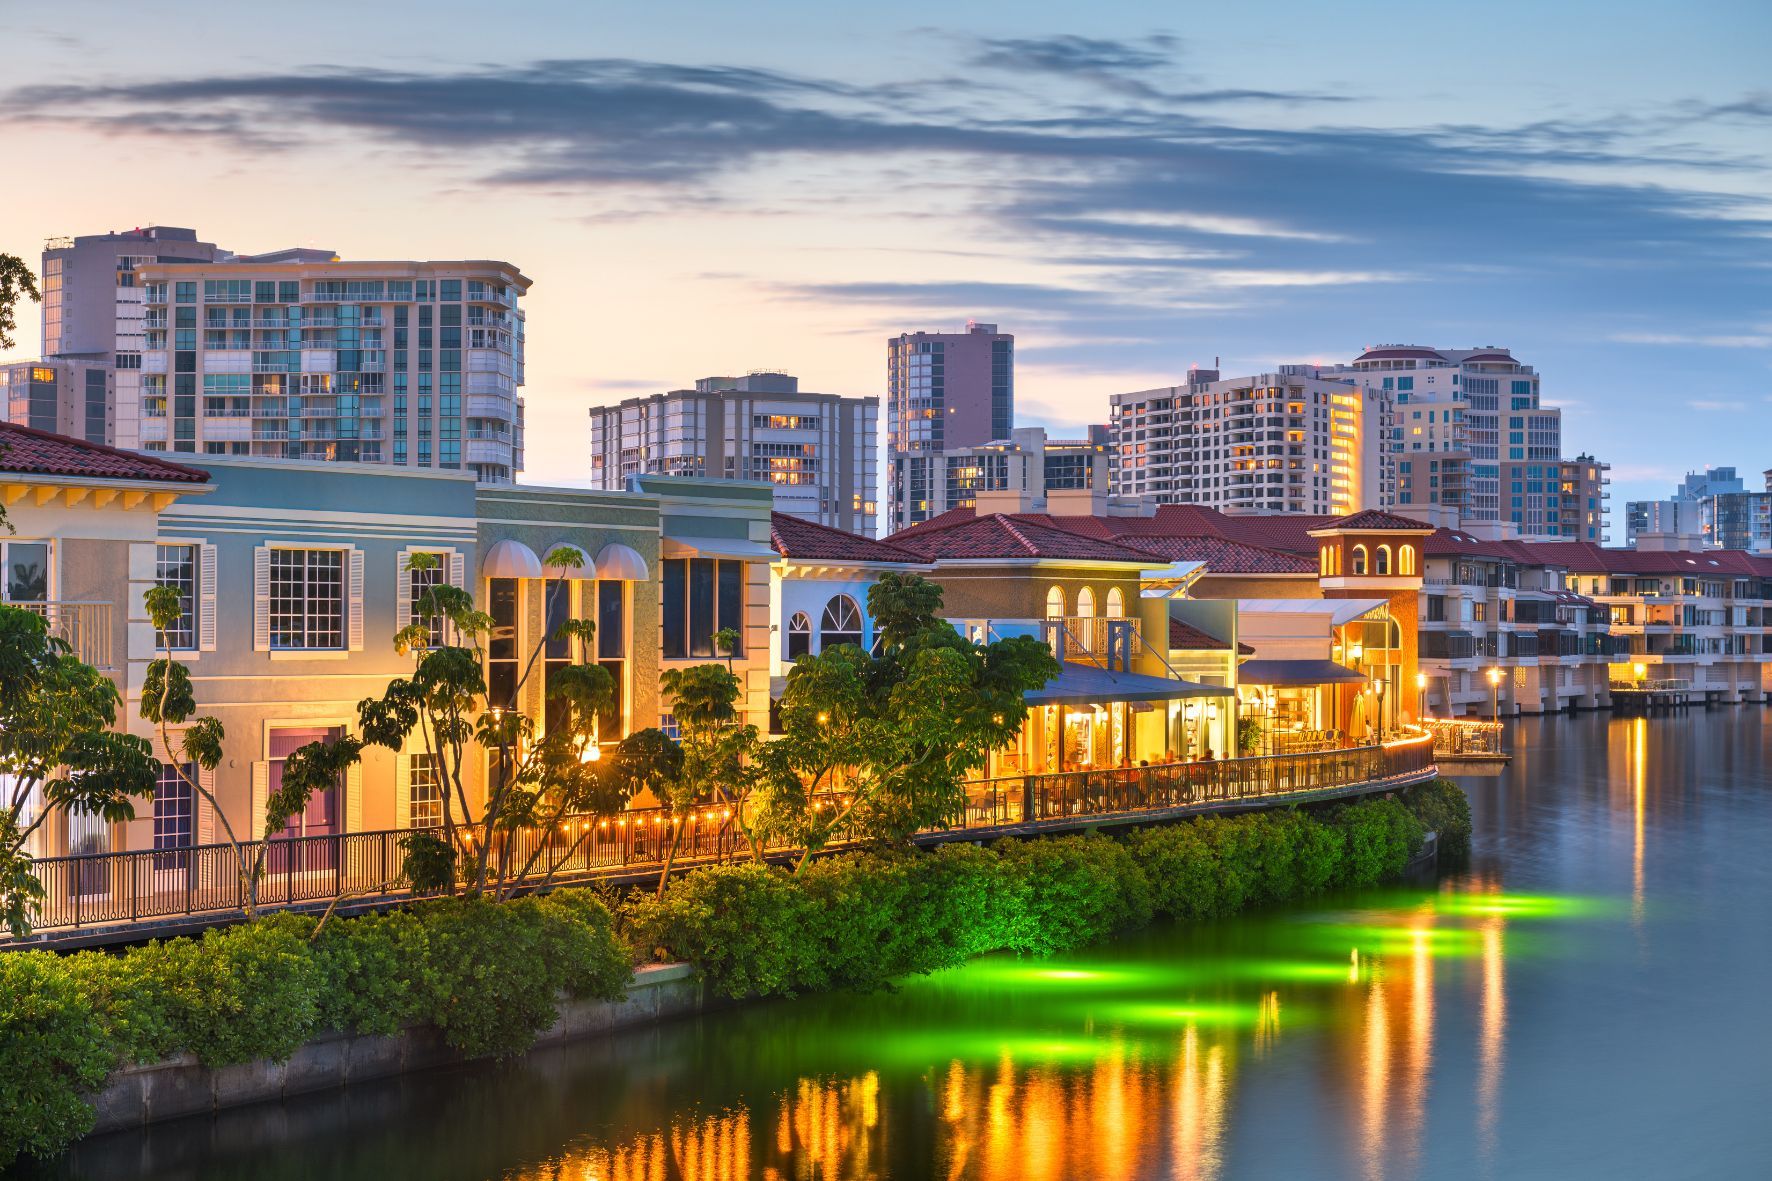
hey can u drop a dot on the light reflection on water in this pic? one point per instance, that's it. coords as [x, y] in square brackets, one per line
[1581, 1003]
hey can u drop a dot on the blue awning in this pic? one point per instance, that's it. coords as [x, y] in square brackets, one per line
[1296, 672]
[1084, 684]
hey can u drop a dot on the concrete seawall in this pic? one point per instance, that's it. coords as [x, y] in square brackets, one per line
[182, 1086]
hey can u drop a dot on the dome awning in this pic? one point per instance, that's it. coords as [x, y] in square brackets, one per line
[583, 568]
[622, 562]
[510, 559]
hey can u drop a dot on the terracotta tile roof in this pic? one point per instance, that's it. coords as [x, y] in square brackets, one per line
[795, 537]
[1584, 557]
[1228, 557]
[1373, 518]
[25, 450]
[1186, 637]
[1000, 535]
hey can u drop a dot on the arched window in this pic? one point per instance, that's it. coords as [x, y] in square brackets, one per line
[1406, 559]
[1085, 604]
[1055, 603]
[1383, 565]
[1325, 561]
[841, 623]
[1116, 603]
[1359, 559]
[799, 636]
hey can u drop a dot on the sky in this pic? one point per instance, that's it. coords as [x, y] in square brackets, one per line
[1131, 189]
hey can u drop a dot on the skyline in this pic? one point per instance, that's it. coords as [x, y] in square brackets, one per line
[716, 195]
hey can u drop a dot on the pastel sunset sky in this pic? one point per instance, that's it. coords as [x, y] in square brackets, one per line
[700, 188]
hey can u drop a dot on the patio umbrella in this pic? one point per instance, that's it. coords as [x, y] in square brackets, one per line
[1356, 726]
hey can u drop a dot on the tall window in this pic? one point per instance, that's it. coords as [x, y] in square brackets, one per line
[307, 598]
[1382, 564]
[501, 646]
[26, 574]
[841, 623]
[176, 566]
[1055, 602]
[321, 816]
[557, 650]
[175, 812]
[1116, 603]
[701, 596]
[418, 582]
[612, 651]
[799, 635]
[424, 792]
[1406, 559]
[1086, 603]
[1359, 559]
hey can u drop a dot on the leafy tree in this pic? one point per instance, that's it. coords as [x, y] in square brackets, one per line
[726, 645]
[879, 746]
[16, 280]
[58, 752]
[537, 780]
[718, 751]
[168, 700]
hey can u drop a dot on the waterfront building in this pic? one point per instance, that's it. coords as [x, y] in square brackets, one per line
[818, 450]
[944, 390]
[1290, 441]
[1709, 508]
[819, 585]
[62, 395]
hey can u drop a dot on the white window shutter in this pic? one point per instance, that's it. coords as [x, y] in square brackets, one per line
[206, 598]
[356, 604]
[205, 827]
[261, 793]
[402, 591]
[458, 568]
[261, 599]
[354, 798]
[402, 791]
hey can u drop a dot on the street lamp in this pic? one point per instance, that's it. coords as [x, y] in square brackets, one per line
[1421, 694]
[1495, 693]
[1642, 671]
[1378, 688]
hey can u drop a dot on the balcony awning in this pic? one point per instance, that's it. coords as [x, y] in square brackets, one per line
[1336, 611]
[510, 559]
[584, 570]
[717, 547]
[622, 563]
[1083, 684]
[1297, 672]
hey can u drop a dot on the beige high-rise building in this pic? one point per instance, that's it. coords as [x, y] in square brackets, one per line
[1290, 441]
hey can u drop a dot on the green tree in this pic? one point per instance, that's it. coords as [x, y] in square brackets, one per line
[718, 751]
[167, 701]
[16, 280]
[879, 746]
[538, 779]
[58, 752]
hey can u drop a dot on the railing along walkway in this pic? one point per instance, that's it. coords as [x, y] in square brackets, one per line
[125, 892]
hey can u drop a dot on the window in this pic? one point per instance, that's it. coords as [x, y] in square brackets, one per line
[1116, 603]
[1359, 559]
[799, 641]
[175, 816]
[1383, 564]
[841, 623]
[418, 583]
[26, 571]
[321, 816]
[307, 598]
[1086, 603]
[424, 792]
[501, 645]
[1055, 602]
[1406, 559]
[557, 650]
[176, 566]
[701, 596]
[612, 652]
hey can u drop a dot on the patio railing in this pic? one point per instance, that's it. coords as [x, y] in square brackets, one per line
[1454, 737]
[117, 889]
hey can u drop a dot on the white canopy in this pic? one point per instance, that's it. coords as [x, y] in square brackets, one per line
[622, 562]
[510, 559]
[718, 547]
[1336, 611]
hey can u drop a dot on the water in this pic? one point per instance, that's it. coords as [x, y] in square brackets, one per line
[1588, 1000]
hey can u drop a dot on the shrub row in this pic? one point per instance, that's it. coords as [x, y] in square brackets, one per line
[857, 920]
[1442, 806]
[486, 974]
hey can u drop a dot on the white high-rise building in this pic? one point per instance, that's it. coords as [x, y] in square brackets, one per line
[819, 450]
[1290, 441]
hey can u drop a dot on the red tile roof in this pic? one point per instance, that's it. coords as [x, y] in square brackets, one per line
[1001, 535]
[25, 450]
[1186, 637]
[1584, 557]
[796, 537]
[1228, 557]
[1377, 519]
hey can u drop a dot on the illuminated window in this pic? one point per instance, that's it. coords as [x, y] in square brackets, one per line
[1116, 603]
[1383, 565]
[1086, 603]
[1055, 603]
[1359, 559]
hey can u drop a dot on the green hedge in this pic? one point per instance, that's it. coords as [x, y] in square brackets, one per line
[1443, 807]
[486, 974]
[857, 920]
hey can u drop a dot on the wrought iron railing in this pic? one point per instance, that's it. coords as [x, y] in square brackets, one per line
[116, 889]
[1454, 737]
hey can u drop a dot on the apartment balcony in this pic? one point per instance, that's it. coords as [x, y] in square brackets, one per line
[345, 297]
[487, 451]
[84, 627]
[154, 321]
[276, 367]
[498, 406]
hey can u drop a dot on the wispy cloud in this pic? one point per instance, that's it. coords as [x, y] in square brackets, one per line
[1714, 404]
[1745, 340]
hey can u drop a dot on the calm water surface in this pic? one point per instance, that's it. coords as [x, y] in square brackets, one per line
[1589, 1000]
